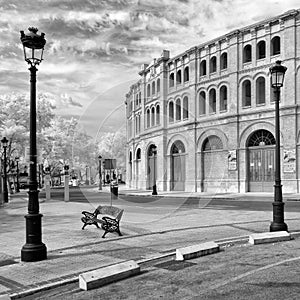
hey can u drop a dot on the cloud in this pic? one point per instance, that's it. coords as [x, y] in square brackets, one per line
[97, 45]
[67, 101]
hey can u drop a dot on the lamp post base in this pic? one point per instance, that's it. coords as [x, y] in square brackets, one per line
[34, 249]
[5, 197]
[278, 227]
[154, 190]
[278, 217]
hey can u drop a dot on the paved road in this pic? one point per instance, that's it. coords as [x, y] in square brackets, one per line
[85, 195]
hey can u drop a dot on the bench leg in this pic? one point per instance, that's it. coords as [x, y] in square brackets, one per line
[83, 226]
[119, 232]
[104, 234]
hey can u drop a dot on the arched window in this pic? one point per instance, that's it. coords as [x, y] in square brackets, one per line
[261, 137]
[275, 45]
[202, 104]
[152, 116]
[148, 90]
[153, 87]
[212, 101]
[261, 50]
[212, 143]
[177, 147]
[136, 124]
[140, 98]
[223, 98]
[171, 80]
[213, 65]
[148, 118]
[157, 115]
[178, 109]
[223, 61]
[260, 90]
[203, 68]
[178, 77]
[246, 93]
[185, 106]
[171, 112]
[186, 75]
[158, 85]
[247, 54]
[138, 154]
[139, 123]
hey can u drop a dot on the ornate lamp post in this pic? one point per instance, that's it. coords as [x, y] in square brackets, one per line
[4, 142]
[100, 173]
[17, 159]
[277, 78]
[154, 153]
[34, 249]
[86, 175]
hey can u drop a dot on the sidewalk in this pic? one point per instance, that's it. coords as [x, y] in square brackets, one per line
[72, 251]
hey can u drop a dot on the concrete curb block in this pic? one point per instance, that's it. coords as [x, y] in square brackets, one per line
[197, 250]
[102, 276]
[269, 237]
[4, 297]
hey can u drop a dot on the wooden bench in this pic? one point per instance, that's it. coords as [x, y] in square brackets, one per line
[108, 216]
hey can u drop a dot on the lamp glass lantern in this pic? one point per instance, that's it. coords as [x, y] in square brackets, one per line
[277, 74]
[33, 46]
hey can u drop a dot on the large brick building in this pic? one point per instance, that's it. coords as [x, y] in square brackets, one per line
[209, 113]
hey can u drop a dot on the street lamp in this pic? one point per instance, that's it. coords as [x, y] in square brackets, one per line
[86, 175]
[34, 249]
[277, 78]
[4, 142]
[154, 153]
[17, 159]
[100, 173]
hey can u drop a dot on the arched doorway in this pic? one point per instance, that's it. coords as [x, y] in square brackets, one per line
[261, 161]
[177, 167]
[138, 166]
[152, 166]
[213, 162]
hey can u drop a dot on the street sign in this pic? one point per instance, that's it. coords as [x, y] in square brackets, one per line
[110, 164]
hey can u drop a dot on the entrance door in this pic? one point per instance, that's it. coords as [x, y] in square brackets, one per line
[177, 167]
[151, 173]
[261, 170]
[261, 162]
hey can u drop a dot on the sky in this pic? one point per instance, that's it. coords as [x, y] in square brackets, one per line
[95, 48]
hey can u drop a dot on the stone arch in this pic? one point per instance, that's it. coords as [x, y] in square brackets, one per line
[212, 132]
[246, 77]
[260, 74]
[173, 139]
[243, 139]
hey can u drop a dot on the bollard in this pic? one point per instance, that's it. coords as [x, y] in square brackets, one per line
[67, 179]
[114, 193]
[47, 187]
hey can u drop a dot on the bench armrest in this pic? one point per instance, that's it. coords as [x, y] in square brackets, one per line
[89, 214]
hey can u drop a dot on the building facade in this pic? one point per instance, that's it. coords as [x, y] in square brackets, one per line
[204, 120]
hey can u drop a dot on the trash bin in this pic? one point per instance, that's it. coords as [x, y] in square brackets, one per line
[114, 193]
